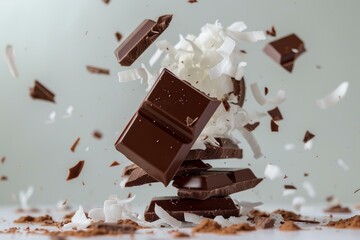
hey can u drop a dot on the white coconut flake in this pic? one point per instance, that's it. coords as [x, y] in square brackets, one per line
[87, 149]
[126, 200]
[123, 182]
[298, 202]
[132, 75]
[246, 207]
[237, 27]
[78, 221]
[10, 60]
[309, 188]
[69, 112]
[280, 97]
[192, 218]
[254, 145]
[227, 47]
[24, 197]
[288, 192]
[97, 214]
[309, 145]
[155, 57]
[222, 221]
[199, 144]
[273, 172]
[62, 205]
[342, 164]
[166, 218]
[289, 146]
[52, 117]
[334, 97]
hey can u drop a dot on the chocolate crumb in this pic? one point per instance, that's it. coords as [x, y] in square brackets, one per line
[274, 126]
[251, 127]
[40, 92]
[114, 163]
[290, 187]
[118, 36]
[308, 136]
[266, 91]
[275, 114]
[271, 32]
[3, 159]
[74, 145]
[98, 70]
[243, 51]
[338, 209]
[75, 171]
[257, 213]
[210, 226]
[30, 219]
[192, 1]
[97, 134]
[289, 226]
[349, 223]
[306, 174]
[357, 190]
[3, 178]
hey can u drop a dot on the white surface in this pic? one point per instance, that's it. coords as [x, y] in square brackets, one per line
[54, 40]
[308, 232]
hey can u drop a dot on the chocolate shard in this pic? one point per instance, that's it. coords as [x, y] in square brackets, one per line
[271, 32]
[74, 145]
[251, 127]
[308, 136]
[176, 207]
[75, 171]
[118, 36]
[239, 90]
[159, 126]
[227, 149]
[290, 187]
[275, 114]
[140, 39]
[98, 70]
[285, 50]
[215, 182]
[39, 91]
[274, 126]
[114, 164]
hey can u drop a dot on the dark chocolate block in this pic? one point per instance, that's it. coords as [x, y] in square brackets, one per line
[227, 149]
[140, 39]
[285, 50]
[176, 207]
[157, 137]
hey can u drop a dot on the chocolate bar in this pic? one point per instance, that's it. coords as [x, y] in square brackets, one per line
[176, 207]
[215, 182]
[140, 39]
[138, 176]
[157, 138]
[227, 149]
[285, 50]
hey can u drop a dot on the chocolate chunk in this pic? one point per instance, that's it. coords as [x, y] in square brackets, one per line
[139, 177]
[98, 70]
[140, 39]
[176, 207]
[159, 126]
[3, 178]
[75, 171]
[251, 127]
[216, 182]
[3, 159]
[114, 163]
[271, 32]
[192, 1]
[227, 149]
[266, 91]
[97, 134]
[118, 36]
[308, 136]
[275, 114]
[39, 91]
[290, 187]
[285, 50]
[274, 126]
[74, 145]
[239, 90]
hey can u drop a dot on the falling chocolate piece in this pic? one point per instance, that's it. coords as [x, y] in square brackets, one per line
[226, 105]
[39, 91]
[251, 127]
[97, 134]
[290, 187]
[114, 163]
[271, 32]
[139, 177]
[106, 1]
[266, 91]
[192, 1]
[3, 159]
[285, 50]
[274, 126]
[74, 145]
[239, 90]
[118, 36]
[227, 149]
[308, 136]
[140, 39]
[176, 207]
[98, 70]
[75, 171]
[159, 125]
[3, 178]
[275, 114]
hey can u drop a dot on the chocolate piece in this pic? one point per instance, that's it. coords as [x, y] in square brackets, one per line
[140, 39]
[39, 91]
[3, 159]
[308, 136]
[118, 36]
[192, 1]
[227, 149]
[271, 32]
[290, 187]
[226, 105]
[239, 90]
[98, 70]
[274, 126]
[97, 134]
[3, 178]
[275, 114]
[176, 207]
[74, 145]
[159, 126]
[251, 127]
[215, 182]
[285, 50]
[266, 91]
[75, 171]
[115, 163]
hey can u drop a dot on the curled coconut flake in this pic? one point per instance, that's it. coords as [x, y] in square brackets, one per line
[280, 97]
[237, 27]
[249, 137]
[272, 172]
[298, 202]
[126, 200]
[192, 218]
[78, 221]
[227, 47]
[342, 164]
[166, 218]
[97, 214]
[222, 221]
[334, 97]
[155, 57]
[309, 188]
[69, 111]
[132, 75]
[52, 117]
[10, 59]
[24, 197]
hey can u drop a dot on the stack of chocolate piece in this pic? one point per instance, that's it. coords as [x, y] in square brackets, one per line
[158, 139]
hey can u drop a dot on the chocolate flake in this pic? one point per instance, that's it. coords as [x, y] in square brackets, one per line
[74, 145]
[98, 70]
[190, 122]
[251, 127]
[118, 36]
[97, 134]
[290, 187]
[275, 114]
[106, 1]
[75, 171]
[357, 190]
[306, 174]
[308, 136]
[192, 1]
[3, 178]
[114, 163]
[3, 159]
[274, 126]
[271, 32]
[266, 91]
[226, 105]
[40, 92]
[243, 51]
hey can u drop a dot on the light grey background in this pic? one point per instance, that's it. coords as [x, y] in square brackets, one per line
[54, 40]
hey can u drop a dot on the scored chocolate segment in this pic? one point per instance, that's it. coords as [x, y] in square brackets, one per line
[227, 149]
[285, 50]
[140, 39]
[157, 137]
[176, 207]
